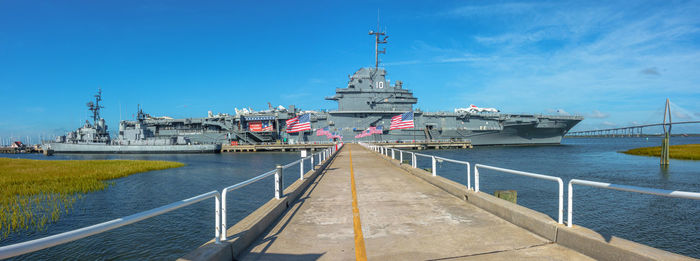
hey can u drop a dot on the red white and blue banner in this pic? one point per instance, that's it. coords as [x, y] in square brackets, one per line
[258, 126]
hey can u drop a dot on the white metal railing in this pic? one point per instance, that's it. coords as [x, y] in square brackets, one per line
[225, 191]
[219, 207]
[433, 161]
[527, 174]
[279, 180]
[628, 188]
[438, 159]
[65, 237]
[659, 192]
[391, 152]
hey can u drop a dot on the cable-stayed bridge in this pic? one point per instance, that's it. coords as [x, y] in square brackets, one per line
[628, 131]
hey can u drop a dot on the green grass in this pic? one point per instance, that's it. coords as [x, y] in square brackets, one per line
[36, 192]
[686, 152]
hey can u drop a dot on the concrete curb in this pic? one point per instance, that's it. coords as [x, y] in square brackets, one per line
[593, 244]
[245, 232]
[581, 239]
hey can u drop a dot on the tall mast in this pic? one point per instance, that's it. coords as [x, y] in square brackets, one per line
[95, 107]
[377, 42]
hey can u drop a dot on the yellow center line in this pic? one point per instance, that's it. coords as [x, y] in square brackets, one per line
[360, 253]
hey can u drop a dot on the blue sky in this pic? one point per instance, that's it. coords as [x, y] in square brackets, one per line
[612, 62]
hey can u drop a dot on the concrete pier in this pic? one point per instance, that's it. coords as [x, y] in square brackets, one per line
[403, 218]
[406, 214]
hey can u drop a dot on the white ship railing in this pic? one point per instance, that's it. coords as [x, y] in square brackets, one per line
[219, 207]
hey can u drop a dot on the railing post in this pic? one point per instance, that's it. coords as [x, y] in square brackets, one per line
[393, 153]
[434, 166]
[561, 200]
[301, 165]
[413, 160]
[312, 161]
[570, 205]
[476, 178]
[400, 157]
[469, 178]
[223, 213]
[217, 220]
[278, 182]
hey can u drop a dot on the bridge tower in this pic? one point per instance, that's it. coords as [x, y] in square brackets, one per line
[667, 135]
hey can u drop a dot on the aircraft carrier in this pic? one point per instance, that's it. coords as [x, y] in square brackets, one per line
[368, 101]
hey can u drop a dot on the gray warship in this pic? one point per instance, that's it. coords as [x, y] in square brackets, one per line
[134, 137]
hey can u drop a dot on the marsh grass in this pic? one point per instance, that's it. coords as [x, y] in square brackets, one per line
[686, 152]
[34, 193]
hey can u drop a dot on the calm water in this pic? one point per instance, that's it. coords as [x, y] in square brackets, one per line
[170, 235]
[670, 224]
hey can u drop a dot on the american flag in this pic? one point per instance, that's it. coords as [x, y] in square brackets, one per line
[376, 130]
[300, 123]
[402, 121]
[292, 120]
[323, 131]
[365, 133]
[335, 136]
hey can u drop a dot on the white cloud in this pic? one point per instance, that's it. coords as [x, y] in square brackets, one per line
[596, 114]
[595, 63]
[681, 115]
[558, 112]
[493, 9]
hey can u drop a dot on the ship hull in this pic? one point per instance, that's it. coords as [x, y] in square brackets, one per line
[133, 149]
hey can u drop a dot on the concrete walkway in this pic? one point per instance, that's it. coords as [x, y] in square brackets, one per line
[403, 218]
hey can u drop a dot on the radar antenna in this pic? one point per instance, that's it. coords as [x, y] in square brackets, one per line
[95, 107]
[377, 42]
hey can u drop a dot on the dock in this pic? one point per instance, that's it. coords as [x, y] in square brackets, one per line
[416, 145]
[274, 147]
[361, 205]
[425, 145]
